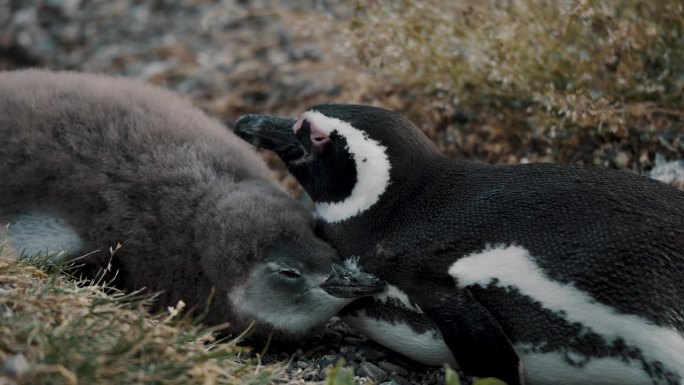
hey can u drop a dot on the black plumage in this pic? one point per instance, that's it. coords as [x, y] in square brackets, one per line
[615, 236]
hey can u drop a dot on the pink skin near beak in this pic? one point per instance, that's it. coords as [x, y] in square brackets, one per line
[318, 137]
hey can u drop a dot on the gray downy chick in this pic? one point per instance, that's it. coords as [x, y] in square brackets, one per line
[88, 162]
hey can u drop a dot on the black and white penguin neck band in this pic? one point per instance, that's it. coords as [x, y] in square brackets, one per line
[371, 160]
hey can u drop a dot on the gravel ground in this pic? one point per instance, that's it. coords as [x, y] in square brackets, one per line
[369, 361]
[235, 57]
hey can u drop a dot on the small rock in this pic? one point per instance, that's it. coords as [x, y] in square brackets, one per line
[392, 368]
[283, 357]
[372, 354]
[26, 16]
[327, 360]
[622, 160]
[329, 334]
[321, 376]
[310, 374]
[398, 379]
[353, 340]
[372, 371]
[15, 366]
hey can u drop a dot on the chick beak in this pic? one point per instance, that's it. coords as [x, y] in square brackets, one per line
[345, 283]
[271, 133]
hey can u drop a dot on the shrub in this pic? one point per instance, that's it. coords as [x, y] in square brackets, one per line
[615, 68]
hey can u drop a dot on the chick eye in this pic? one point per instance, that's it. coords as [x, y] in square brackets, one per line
[290, 273]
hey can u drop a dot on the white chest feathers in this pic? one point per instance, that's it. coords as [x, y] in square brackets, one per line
[40, 234]
[426, 346]
[512, 268]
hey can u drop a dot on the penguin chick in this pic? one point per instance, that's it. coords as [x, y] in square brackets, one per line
[89, 162]
[577, 273]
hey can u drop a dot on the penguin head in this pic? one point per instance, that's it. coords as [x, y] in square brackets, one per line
[259, 250]
[298, 288]
[345, 156]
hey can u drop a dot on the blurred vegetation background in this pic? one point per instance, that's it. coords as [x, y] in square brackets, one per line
[502, 81]
[590, 81]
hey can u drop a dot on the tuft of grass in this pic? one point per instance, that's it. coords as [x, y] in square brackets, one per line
[488, 381]
[5, 251]
[55, 330]
[614, 68]
[450, 376]
[340, 375]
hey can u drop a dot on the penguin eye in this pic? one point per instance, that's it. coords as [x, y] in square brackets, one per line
[289, 273]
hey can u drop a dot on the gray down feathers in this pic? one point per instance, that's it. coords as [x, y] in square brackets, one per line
[122, 162]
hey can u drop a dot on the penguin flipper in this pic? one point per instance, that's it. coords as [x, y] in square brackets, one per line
[473, 335]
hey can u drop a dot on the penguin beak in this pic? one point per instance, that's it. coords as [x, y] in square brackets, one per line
[345, 283]
[271, 133]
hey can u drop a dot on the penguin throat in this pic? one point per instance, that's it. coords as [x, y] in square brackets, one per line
[341, 169]
[371, 164]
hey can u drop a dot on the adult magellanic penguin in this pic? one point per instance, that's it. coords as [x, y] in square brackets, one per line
[88, 162]
[537, 273]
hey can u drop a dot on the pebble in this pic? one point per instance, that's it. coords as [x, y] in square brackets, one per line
[392, 368]
[372, 354]
[302, 364]
[327, 360]
[15, 366]
[398, 379]
[622, 160]
[372, 371]
[353, 340]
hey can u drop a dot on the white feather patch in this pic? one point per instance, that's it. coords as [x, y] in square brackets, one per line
[394, 292]
[372, 168]
[38, 233]
[427, 348]
[512, 266]
[352, 264]
[553, 369]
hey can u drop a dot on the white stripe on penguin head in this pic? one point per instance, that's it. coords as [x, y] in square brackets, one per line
[372, 168]
[512, 266]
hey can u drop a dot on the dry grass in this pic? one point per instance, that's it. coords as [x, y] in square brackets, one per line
[69, 332]
[612, 70]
